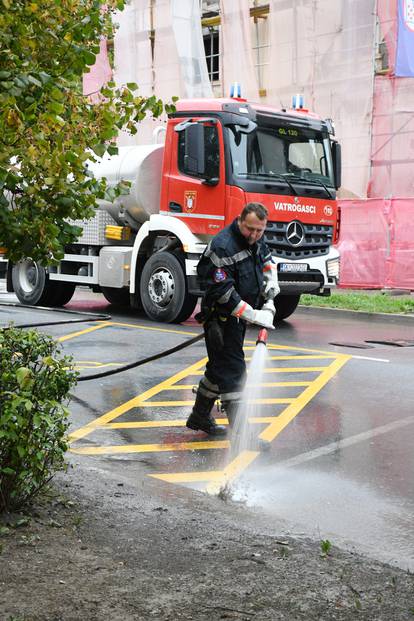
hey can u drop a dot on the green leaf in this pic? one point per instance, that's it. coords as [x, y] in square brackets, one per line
[56, 107]
[88, 57]
[99, 149]
[23, 376]
[132, 86]
[8, 471]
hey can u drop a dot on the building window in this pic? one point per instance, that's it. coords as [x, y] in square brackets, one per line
[211, 48]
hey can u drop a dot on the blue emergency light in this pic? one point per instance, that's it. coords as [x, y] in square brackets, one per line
[235, 90]
[297, 102]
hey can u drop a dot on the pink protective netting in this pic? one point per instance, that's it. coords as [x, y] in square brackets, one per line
[376, 244]
[236, 54]
[324, 50]
[377, 235]
[393, 120]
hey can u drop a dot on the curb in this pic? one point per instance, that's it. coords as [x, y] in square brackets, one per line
[353, 314]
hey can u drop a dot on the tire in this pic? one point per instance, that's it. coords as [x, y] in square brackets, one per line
[32, 286]
[61, 292]
[117, 297]
[163, 289]
[31, 283]
[285, 306]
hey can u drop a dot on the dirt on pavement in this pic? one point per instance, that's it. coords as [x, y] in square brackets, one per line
[102, 547]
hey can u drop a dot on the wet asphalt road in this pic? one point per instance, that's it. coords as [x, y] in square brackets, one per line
[338, 413]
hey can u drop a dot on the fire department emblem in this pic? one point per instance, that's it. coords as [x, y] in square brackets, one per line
[409, 14]
[327, 210]
[190, 200]
[219, 275]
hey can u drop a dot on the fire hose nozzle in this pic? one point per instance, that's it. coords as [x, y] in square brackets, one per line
[262, 336]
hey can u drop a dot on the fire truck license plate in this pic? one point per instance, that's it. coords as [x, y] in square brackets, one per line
[293, 267]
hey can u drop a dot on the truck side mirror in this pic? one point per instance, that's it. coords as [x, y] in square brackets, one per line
[194, 160]
[337, 164]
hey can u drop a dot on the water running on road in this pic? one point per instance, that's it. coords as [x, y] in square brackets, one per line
[243, 438]
[244, 433]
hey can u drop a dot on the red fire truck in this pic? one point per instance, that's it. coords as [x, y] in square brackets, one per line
[218, 155]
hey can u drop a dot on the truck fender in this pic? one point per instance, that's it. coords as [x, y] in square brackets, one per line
[162, 224]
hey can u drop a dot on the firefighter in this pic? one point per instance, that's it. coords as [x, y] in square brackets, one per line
[237, 273]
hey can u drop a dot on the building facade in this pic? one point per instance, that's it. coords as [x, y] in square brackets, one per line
[340, 54]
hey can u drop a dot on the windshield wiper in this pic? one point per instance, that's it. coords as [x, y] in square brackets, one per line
[311, 182]
[271, 176]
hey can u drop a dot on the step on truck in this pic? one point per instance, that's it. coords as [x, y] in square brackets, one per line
[218, 154]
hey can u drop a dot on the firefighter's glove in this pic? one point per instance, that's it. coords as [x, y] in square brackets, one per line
[263, 318]
[269, 306]
[270, 283]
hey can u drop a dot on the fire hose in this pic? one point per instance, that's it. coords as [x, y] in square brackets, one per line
[100, 317]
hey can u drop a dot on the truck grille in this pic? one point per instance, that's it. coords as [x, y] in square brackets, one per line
[316, 240]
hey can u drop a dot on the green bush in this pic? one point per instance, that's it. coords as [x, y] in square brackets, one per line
[34, 384]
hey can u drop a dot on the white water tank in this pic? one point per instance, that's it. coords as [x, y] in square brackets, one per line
[141, 165]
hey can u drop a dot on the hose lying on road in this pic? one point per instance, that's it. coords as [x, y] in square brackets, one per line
[89, 316]
[138, 363]
[96, 317]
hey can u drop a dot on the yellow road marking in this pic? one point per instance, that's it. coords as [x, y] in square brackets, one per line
[288, 348]
[274, 424]
[190, 477]
[280, 370]
[263, 384]
[294, 369]
[274, 384]
[233, 470]
[292, 410]
[149, 404]
[107, 324]
[72, 335]
[298, 357]
[135, 402]
[151, 448]
[96, 365]
[217, 478]
[169, 330]
[154, 424]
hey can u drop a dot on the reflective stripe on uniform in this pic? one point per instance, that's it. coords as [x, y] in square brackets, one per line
[207, 388]
[226, 296]
[220, 262]
[239, 309]
[230, 396]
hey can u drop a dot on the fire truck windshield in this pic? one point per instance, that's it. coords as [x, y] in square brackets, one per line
[297, 155]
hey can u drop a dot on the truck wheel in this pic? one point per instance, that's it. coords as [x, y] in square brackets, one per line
[31, 283]
[61, 292]
[116, 296]
[163, 288]
[285, 306]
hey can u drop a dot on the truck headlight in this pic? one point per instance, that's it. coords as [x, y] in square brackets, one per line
[332, 268]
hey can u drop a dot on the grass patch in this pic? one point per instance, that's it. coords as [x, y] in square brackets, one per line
[368, 303]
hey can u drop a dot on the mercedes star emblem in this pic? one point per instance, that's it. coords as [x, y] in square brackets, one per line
[295, 233]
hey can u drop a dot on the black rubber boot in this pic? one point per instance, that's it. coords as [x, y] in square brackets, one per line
[201, 418]
[230, 409]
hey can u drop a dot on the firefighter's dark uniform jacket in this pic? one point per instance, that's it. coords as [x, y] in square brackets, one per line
[230, 270]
